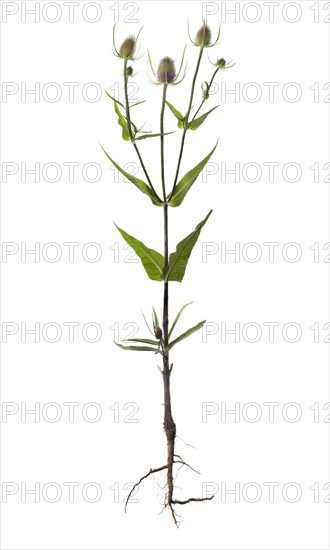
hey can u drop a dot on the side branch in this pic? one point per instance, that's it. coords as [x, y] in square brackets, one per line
[187, 120]
[128, 117]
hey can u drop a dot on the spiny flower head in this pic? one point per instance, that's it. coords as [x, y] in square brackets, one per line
[127, 48]
[203, 36]
[222, 64]
[166, 71]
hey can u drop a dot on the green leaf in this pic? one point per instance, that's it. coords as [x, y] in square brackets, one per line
[139, 183]
[186, 334]
[123, 123]
[114, 99]
[121, 119]
[143, 341]
[153, 262]
[135, 348]
[182, 188]
[153, 135]
[178, 260]
[155, 320]
[139, 103]
[134, 128]
[177, 318]
[145, 320]
[176, 113]
[194, 124]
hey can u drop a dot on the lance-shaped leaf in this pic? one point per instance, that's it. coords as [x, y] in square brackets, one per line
[115, 100]
[177, 114]
[178, 260]
[121, 104]
[182, 188]
[144, 187]
[175, 111]
[145, 320]
[121, 119]
[135, 348]
[123, 123]
[153, 262]
[143, 341]
[155, 320]
[153, 135]
[186, 334]
[177, 318]
[194, 124]
[138, 103]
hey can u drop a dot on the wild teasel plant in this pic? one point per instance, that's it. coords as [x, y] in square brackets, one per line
[165, 268]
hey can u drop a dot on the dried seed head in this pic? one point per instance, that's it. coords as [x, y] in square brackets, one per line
[158, 333]
[203, 37]
[129, 71]
[166, 71]
[128, 47]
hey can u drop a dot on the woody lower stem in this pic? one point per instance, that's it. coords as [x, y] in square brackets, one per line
[169, 425]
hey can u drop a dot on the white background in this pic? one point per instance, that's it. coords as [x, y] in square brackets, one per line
[211, 368]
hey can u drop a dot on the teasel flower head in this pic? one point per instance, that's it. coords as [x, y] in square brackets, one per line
[166, 72]
[203, 36]
[128, 47]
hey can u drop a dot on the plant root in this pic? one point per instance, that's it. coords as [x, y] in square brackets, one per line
[169, 501]
[172, 457]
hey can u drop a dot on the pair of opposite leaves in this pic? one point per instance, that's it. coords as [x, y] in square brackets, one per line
[153, 261]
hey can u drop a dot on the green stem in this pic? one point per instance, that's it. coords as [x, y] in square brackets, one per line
[128, 117]
[187, 119]
[165, 210]
[165, 301]
[162, 141]
[209, 86]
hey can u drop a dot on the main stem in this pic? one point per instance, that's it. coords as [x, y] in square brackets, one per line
[169, 425]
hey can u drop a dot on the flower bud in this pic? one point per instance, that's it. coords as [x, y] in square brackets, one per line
[166, 71]
[158, 333]
[129, 71]
[203, 37]
[127, 48]
[221, 63]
